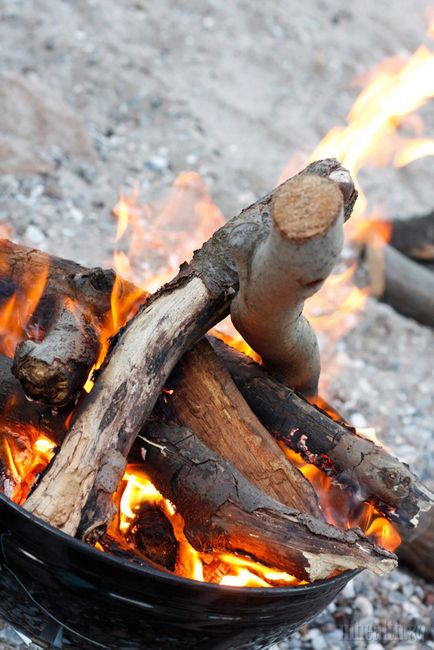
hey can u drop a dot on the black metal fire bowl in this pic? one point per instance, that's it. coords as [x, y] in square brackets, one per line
[67, 594]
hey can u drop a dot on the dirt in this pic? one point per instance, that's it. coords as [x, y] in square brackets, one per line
[98, 95]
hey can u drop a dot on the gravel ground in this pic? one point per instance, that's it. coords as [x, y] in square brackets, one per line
[97, 95]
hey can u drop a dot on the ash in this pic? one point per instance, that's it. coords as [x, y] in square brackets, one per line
[97, 95]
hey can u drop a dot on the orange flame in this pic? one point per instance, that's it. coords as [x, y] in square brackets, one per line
[393, 91]
[25, 468]
[137, 488]
[17, 311]
[342, 510]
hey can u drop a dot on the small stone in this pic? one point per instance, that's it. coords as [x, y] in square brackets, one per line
[358, 420]
[157, 164]
[318, 643]
[364, 606]
[33, 234]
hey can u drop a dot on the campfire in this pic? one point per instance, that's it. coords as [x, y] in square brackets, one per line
[207, 493]
[137, 418]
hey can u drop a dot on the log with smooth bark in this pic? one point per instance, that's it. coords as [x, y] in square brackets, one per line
[52, 371]
[287, 266]
[206, 400]
[371, 471]
[224, 512]
[91, 462]
[401, 282]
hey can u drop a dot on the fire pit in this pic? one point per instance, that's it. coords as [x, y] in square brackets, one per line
[59, 590]
[233, 478]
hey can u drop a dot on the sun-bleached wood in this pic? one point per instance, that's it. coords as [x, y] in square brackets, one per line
[289, 265]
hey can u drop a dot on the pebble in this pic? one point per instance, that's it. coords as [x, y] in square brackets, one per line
[157, 163]
[33, 234]
[364, 606]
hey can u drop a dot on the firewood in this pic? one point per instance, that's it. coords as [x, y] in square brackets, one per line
[52, 371]
[402, 283]
[414, 237]
[91, 461]
[286, 267]
[417, 551]
[123, 550]
[372, 472]
[152, 535]
[224, 512]
[22, 417]
[205, 399]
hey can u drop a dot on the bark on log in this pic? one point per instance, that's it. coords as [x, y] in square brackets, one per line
[91, 462]
[224, 512]
[332, 446]
[418, 550]
[19, 415]
[52, 371]
[414, 237]
[289, 265]
[206, 400]
[402, 283]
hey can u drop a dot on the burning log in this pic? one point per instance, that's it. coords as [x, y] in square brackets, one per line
[54, 370]
[332, 446]
[281, 271]
[224, 512]
[205, 398]
[72, 309]
[402, 283]
[19, 416]
[413, 237]
[91, 461]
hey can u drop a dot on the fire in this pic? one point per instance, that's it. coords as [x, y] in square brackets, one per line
[344, 510]
[16, 312]
[24, 467]
[378, 132]
[136, 488]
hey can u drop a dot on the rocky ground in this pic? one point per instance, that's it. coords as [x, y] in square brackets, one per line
[99, 95]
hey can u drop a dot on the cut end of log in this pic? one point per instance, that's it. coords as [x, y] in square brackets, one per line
[297, 217]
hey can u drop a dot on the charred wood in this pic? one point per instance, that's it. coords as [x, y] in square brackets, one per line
[332, 446]
[224, 512]
[52, 371]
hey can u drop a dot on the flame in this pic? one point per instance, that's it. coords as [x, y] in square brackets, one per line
[136, 488]
[343, 509]
[372, 136]
[24, 468]
[17, 311]
[159, 236]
